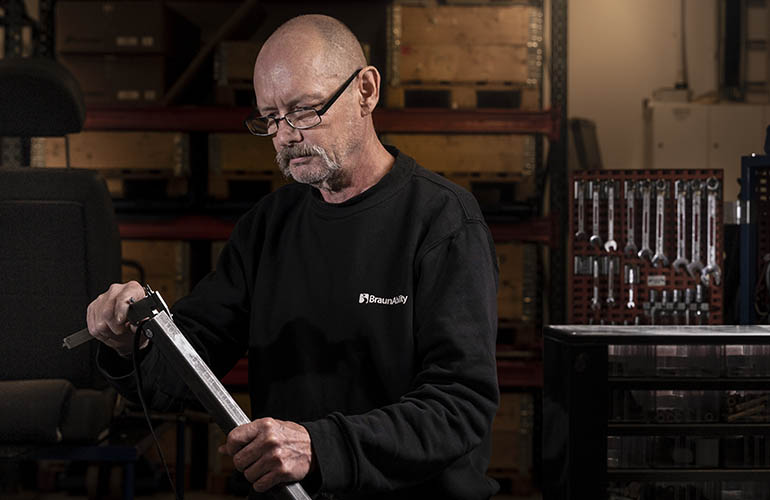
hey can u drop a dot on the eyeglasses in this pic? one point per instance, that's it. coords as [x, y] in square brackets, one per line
[302, 118]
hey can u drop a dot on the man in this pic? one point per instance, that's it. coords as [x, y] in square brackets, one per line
[365, 294]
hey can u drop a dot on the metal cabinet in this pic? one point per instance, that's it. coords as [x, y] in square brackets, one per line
[656, 412]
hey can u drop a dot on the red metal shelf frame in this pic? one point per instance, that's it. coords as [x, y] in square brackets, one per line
[221, 119]
[203, 227]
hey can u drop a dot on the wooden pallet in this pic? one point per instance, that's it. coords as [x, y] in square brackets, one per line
[145, 185]
[450, 95]
[508, 155]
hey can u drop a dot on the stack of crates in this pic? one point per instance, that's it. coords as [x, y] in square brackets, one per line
[123, 53]
[485, 55]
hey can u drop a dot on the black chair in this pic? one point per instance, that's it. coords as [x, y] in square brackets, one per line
[59, 248]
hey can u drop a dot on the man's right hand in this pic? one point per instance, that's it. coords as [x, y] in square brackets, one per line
[107, 317]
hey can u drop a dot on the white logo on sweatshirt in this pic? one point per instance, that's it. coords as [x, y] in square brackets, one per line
[368, 298]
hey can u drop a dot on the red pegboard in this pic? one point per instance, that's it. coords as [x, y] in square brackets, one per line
[649, 277]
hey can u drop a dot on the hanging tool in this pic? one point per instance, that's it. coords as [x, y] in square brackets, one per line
[630, 195]
[631, 272]
[695, 266]
[712, 265]
[646, 251]
[661, 191]
[594, 189]
[595, 303]
[610, 245]
[579, 195]
[680, 192]
[610, 282]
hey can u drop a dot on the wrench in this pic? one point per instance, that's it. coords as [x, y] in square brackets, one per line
[661, 189]
[595, 305]
[712, 267]
[680, 189]
[594, 188]
[631, 282]
[695, 266]
[610, 285]
[646, 251]
[630, 195]
[611, 245]
[580, 196]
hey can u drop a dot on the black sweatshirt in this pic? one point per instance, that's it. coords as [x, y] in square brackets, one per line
[371, 322]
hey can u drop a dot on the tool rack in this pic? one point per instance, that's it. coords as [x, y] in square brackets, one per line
[612, 284]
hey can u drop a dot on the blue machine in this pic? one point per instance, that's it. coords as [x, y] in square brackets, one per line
[755, 238]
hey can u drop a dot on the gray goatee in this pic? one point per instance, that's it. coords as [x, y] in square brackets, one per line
[283, 157]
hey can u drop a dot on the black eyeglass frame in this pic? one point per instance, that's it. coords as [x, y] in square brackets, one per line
[319, 112]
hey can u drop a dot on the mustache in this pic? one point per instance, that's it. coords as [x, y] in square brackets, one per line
[288, 153]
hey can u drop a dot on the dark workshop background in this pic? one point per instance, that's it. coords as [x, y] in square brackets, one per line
[506, 98]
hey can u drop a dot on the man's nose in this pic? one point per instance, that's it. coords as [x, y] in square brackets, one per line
[287, 134]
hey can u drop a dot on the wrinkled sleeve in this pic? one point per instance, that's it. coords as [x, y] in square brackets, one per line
[213, 317]
[449, 408]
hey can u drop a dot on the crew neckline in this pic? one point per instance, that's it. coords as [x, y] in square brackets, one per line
[385, 187]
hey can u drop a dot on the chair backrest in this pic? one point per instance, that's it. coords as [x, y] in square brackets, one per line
[39, 97]
[59, 249]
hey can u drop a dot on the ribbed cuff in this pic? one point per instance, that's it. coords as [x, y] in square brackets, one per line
[336, 463]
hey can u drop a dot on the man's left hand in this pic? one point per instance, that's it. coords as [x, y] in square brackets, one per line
[270, 452]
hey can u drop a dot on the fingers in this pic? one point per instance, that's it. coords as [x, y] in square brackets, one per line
[270, 452]
[106, 316]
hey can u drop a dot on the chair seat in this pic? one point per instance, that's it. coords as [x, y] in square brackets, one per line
[53, 411]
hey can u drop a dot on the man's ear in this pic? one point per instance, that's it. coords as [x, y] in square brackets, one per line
[368, 89]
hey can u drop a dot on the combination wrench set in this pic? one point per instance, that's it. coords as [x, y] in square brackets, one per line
[646, 247]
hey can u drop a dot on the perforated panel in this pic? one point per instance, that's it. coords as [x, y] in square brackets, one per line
[651, 279]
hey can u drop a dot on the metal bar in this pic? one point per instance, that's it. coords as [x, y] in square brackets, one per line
[204, 384]
[557, 162]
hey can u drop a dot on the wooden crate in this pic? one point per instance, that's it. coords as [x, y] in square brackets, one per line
[241, 153]
[461, 153]
[517, 291]
[433, 43]
[166, 266]
[118, 152]
[512, 433]
[234, 62]
[463, 96]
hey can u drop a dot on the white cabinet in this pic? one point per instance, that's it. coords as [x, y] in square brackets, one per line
[687, 136]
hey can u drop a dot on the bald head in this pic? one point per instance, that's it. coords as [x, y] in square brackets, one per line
[311, 63]
[315, 36]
